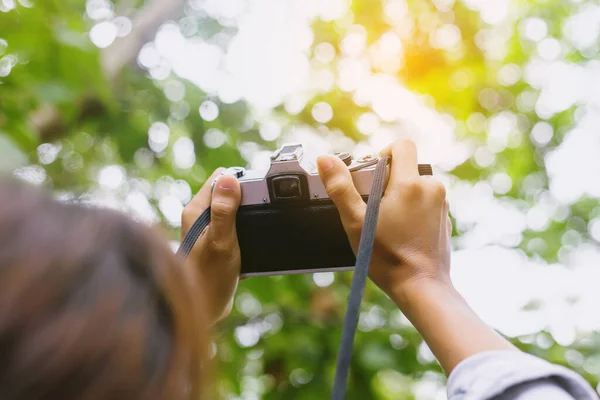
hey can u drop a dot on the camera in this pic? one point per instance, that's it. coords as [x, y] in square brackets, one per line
[286, 222]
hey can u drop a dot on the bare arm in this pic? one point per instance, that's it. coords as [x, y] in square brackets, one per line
[411, 260]
[411, 263]
[449, 326]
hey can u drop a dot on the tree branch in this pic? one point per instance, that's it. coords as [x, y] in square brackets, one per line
[125, 51]
[48, 121]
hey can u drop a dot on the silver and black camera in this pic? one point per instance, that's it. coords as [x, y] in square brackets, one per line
[287, 223]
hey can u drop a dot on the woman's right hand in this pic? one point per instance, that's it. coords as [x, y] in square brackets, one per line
[411, 257]
[412, 243]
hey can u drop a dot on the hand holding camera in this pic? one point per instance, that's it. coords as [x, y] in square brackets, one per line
[215, 258]
[412, 243]
[292, 220]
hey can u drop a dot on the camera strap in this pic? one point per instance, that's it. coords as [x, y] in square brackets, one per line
[193, 234]
[359, 279]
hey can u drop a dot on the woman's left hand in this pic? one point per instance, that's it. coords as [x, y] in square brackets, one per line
[216, 254]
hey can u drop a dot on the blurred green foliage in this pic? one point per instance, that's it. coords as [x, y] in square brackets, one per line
[54, 90]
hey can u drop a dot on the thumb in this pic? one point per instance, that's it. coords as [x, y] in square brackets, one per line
[226, 199]
[341, 190]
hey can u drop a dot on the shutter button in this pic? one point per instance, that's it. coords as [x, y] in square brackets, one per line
[345, 157]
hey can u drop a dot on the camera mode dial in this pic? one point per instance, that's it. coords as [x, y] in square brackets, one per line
[238, 172]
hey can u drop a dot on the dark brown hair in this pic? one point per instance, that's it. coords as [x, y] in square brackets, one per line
[93, 305]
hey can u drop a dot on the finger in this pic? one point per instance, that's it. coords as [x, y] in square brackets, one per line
[201, 201]
[226, 199]
[404, 160]
[341, 190]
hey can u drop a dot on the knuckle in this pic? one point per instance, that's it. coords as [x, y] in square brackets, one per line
[338, 188]
[354, 225]
[411, 188]
[353, 217]
[222, 209]
[219, 246]
[357, 214]
[436, 190]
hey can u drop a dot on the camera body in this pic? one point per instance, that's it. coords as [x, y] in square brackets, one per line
[286, 222]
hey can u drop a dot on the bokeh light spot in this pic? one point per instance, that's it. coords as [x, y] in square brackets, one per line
[247, 335]
[533, 28]
[111, 176]
[355, 41]
[99, 9]
[248, 305]
[103, 34]
[123, 25]
[594, 229]
[324, 52]
[214, 138]
[209, 111]
[183, 153]
[509, 74]
[542, 133]
[7, 5]
[158, 136]
[501, 183]
[323, 279]
[322, 112]
[549, 49]
[368, 123]
[174, 90]
[445, 37]
[299, 377]
[270, 130]
[47, 153]
[390, 44]
[148, 56]
[6, 64]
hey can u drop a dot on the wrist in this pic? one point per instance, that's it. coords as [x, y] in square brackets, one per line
[446, 322]
[408, 295]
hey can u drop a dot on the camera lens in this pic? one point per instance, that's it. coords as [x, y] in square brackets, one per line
[287, 188]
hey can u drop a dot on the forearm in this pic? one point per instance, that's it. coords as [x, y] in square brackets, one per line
[447, 323]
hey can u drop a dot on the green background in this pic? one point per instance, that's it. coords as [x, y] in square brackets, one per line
[68, 110]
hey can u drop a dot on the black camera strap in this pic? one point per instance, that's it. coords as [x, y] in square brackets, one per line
[361, 271]
[193, 234]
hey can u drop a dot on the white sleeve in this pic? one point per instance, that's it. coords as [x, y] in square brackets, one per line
[513, 375]
[542, 389]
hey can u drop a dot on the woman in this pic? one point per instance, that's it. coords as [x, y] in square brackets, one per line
[96, 306]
